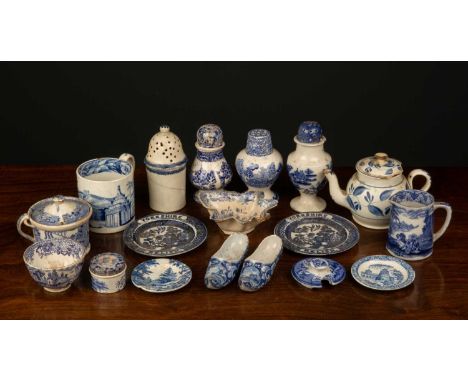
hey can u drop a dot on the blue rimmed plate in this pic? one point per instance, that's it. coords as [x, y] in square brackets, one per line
[382, 272]
[164, 235]
[311, 272]
[161, 275]
[317, 233]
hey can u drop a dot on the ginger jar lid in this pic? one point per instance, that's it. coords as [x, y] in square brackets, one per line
[60, 212]
[210, 136]
[107, 264]
[165, 150]
[310, 132]
[379, 166]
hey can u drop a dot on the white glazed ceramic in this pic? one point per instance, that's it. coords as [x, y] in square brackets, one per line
[305, 167]
[210, 170]
[235, 212]
[54, 264]
[166, 169]
[107, 184]
[368, 191]
[260, 265]
[108, 272]
[259, 164]
[224, 264]
[56, 218]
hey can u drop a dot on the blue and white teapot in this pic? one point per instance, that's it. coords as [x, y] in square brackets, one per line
[368, 191]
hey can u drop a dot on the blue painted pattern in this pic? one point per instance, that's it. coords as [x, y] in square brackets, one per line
[309, 132]
[107, 264]
[220, 273]
[259, 143]
[311, 272]
[210, 136]
[255, 275]
[97, 166]
[257, 176]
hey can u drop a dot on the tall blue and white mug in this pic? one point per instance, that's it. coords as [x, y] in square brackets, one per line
[107, 184]
[411, 232]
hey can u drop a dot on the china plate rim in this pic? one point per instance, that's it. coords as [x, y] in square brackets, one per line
[161, 291]
[404, 264]
[201, 234]
[309, 286]
[349, 226]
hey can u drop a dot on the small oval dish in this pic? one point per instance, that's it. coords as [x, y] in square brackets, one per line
[312, 271]
[54, 264]
[108, 272]
[382, 272]
[224, 264]
[259, 266]
[236, 212]
[161, 275]
[164, 235]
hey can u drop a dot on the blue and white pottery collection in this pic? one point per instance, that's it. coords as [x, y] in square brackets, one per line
[166, 169]
[163, 235]
[56, 218]
[305, 167]
[107, 184]
[382, 272]
[258, 268]
[259, 164]
[368, 191]
[235, 212]
[108, 272]
[55, 264]
[411, 233]
[210, 170]
[317, 233]
[378, 196]
[312, 271]
[224, 264]
[161, 275]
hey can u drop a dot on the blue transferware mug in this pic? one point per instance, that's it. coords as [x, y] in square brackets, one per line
[410, 234]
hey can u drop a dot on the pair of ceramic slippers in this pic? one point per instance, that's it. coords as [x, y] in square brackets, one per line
[257, 269]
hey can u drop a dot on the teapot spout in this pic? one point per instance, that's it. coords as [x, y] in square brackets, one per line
[338, 195]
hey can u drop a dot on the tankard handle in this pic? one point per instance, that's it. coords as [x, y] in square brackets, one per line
[423, 173]
[444, 227]
[24, 219]
[128, 158]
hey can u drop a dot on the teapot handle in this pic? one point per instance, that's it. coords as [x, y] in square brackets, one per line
[448, 209]
[24, 219]
[423, 173]
[128, 158]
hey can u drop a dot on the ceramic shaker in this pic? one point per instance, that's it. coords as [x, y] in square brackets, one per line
[305, 167]
[210, 170]
[259, 164]
[166, 165]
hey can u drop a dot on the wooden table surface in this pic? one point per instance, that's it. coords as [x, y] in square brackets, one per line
[440, 290]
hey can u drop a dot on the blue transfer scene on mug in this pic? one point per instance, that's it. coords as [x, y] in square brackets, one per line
[312, 271]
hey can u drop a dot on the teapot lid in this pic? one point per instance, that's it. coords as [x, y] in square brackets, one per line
[379, 166]
[165, 148]
[60, 211]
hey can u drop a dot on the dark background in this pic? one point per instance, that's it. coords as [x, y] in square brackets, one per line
[71, 112]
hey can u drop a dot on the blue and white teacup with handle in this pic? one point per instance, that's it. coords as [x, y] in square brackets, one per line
[411, 232]
[107, 184]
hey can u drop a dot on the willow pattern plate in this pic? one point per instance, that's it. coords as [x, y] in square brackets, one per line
[161, 275]
[317, 233]
[164, 235]
[382, 272]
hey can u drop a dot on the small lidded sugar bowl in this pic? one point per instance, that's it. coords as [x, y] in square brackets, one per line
[108, 272]
[210, 170]
[166, 168]
[259, 164]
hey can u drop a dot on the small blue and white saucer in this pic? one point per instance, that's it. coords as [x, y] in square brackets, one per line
[312, 271]
[161, 275]
[383, 272]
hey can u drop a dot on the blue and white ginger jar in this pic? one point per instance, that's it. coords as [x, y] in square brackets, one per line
[305, 167]
[210, 170]
[259, 164]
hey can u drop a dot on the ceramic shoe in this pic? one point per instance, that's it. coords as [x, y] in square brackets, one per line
[225, 263]
[259, 267]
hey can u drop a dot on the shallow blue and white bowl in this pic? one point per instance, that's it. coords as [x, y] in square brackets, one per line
[54, 264]
[108, 272]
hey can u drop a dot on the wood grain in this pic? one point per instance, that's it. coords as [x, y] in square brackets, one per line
[440, 290]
